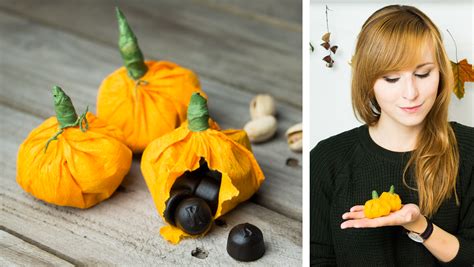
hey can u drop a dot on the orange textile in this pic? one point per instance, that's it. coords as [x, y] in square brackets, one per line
[79, 169]
[171, 155]
[149, 107]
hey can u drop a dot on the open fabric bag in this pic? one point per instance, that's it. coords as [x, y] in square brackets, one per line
[195, 146]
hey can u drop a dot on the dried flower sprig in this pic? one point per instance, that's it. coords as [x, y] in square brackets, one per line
[326, 43]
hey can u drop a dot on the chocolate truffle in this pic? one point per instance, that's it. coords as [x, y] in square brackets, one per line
[189, 181]
[245, 242]
[172, 203]
[208, 189]
[193, 216]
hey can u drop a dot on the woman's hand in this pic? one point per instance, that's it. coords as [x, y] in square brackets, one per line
[443, 245]
[408, 216]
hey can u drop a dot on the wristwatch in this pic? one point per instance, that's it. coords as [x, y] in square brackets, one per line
[421, 237]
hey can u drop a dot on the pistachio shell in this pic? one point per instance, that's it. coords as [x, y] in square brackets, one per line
[294, 137]
[261, 129]
[262, 105]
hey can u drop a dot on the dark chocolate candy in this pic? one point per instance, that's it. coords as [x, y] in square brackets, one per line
[208, 190]
[204, 170]
[172, 203]
[245, 242]
[214, 174]
[189, 181]
[193, 216]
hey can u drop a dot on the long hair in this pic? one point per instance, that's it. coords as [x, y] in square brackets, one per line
[393, 39]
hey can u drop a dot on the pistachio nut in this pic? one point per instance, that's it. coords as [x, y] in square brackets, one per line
[262, 105]
[261, 129]
[294, 137]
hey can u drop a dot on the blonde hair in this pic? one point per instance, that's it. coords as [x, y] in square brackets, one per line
[390, 41]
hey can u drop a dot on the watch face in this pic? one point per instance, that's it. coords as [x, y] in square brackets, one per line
[415, 237]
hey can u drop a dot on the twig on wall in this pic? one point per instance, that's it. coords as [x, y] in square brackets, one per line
[326, 39]
[455, 46]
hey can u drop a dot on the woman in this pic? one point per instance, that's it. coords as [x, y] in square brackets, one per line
[401, 87]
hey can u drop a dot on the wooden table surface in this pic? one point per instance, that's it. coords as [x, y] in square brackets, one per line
[238, 49]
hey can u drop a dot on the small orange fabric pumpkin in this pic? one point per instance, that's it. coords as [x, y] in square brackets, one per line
[79, 166]
[392, 198]
[144, 99]
[170, 156]
[376, 207]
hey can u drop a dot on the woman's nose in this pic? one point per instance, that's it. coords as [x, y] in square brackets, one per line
[410, 92]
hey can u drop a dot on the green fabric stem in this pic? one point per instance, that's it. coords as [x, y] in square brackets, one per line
[66, 114]
[128, 45]
[198, 114]
[65, 111]
[375, 195]
[392, 189]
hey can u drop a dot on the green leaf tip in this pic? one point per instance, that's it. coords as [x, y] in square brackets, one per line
[128, 45]
[375, 195]
[65, 111]
[392, 189]
[198, 113]
[66, 114]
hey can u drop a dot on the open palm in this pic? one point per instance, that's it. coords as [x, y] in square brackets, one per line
[355, 218]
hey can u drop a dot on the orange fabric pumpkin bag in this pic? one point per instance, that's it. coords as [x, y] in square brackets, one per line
[144, 99]
[70, 160]
[186, 150]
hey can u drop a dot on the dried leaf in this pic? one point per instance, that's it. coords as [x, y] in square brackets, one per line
[326, 36]
[325, 45]
[328, 59]
[463, 72]
[333, 49]
[350, 62]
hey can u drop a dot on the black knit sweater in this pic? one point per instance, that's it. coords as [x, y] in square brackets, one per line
[346, 168]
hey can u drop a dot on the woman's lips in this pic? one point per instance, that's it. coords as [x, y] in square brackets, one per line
[411, 109]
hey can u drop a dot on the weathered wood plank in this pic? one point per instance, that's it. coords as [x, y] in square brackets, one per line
[16, 252]
[39, 57]
[245, 53]
[124, 229]
[283, 12]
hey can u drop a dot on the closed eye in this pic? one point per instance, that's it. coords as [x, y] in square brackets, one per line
[394, 80]
[423, 75]
[391, 80]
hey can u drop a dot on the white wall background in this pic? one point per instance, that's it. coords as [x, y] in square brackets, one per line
[330, 101]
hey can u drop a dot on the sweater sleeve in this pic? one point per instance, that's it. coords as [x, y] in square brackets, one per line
[321, 190]
[465, 234]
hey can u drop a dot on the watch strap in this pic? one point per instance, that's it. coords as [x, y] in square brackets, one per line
[428, 231]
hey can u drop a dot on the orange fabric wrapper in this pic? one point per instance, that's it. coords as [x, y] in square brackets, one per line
[79, 169]
[228, 152]
[149, 107]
